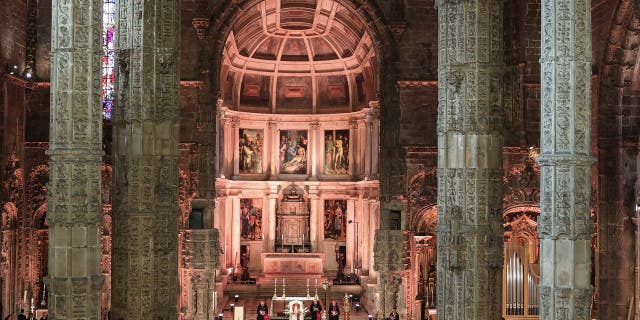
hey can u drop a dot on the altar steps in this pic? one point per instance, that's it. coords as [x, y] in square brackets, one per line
[251, 304]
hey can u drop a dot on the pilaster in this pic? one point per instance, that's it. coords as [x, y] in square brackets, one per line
[470, 232]
[75, 154]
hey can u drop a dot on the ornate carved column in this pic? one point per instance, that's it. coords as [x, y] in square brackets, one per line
[564, 224]
[273, 204]
[387, 252]
[75, 158]
[201, 249]
[470, 144]
[146, 133]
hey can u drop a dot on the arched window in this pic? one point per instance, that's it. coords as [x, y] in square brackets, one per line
[108, 57]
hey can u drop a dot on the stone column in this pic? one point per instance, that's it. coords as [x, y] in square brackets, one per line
[368, 145]
[470, 144]
[353, 144]
[273, 204]
[235, 142]
[226, 157]
[350, 235]
[315, 225]
[564, 225]
[220, 137]
[146, 133]
[235, 233]
[313, 155]
[75, 157]
[375, 138]
[274, 151]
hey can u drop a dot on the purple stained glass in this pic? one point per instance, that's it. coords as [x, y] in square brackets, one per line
[108, 57]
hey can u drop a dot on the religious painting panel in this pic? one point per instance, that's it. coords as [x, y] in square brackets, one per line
[251, 147]
[293, 151]
[251, 219]
[335, 219]
[336, 152]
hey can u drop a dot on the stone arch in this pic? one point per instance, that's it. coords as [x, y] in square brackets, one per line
[426, 221]
[422, 193]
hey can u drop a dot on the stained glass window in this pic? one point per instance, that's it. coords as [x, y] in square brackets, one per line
[108, 57]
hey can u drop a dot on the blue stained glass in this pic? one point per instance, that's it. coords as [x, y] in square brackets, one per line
[108, 57]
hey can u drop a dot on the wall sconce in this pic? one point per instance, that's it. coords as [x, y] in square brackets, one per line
[236, 298]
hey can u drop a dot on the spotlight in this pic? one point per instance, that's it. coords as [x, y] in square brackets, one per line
[219, 317]
[370, 316]
[236, 298]
[232, 305]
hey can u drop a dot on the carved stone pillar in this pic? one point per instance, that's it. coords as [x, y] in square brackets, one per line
[145, 125]
[201, 250]
[470, 244]
[387, 252]
[564, 225]
[75, 158]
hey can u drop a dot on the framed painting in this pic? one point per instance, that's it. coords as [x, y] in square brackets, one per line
[335, 219]
[251, 146]
[336, 152]
[293, 151]
[251, 219]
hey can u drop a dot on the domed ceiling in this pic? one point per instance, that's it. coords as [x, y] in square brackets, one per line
[298, 56]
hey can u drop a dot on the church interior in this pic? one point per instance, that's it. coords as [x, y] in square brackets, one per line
[408, 159]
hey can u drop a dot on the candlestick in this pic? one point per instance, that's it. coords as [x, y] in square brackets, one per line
[275, 288]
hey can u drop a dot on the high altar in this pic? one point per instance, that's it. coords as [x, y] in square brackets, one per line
[297, 195]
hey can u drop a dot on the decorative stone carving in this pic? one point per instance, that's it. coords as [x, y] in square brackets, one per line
[146, 163]
[470, 127]
[75, 153]
[565, 225]
[201, 25]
